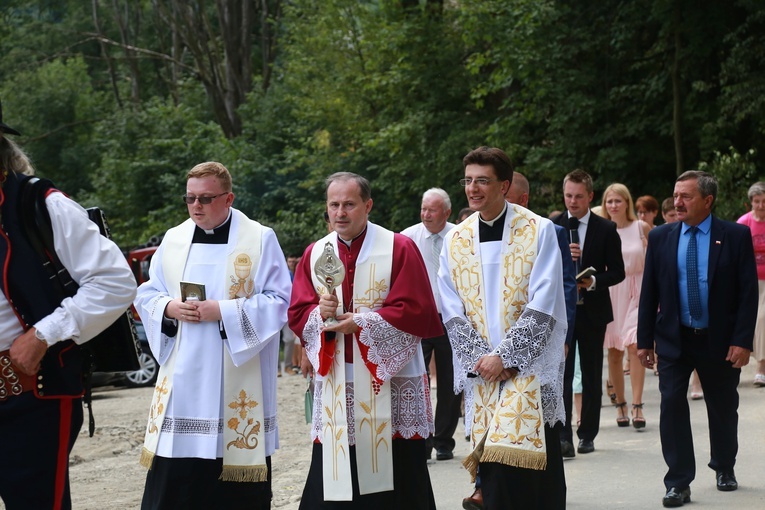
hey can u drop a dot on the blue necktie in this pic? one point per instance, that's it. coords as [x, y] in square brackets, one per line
[691, 262]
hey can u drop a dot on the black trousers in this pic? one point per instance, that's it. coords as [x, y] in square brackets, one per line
[38, 437]
[508, 488]
[411, 482]
[719, 380]
[588, 336]
[193, 484]
[447, 403]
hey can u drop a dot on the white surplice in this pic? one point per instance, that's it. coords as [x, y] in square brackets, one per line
[193, 426]
[534, 344]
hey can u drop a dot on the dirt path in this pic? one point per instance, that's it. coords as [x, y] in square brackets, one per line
[105, 472]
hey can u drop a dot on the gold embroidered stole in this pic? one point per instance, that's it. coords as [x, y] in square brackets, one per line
[372, 409]
[244, 458]
[507, 425]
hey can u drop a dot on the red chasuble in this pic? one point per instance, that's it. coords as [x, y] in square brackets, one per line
[409, 306]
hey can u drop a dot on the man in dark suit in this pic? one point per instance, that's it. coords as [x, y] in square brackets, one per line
[699, 304]
[594, 242]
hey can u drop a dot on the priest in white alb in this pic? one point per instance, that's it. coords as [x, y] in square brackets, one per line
[502, 302]
[372, 411]
[212, 422]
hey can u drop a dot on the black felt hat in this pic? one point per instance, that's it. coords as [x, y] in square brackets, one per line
[5, 128]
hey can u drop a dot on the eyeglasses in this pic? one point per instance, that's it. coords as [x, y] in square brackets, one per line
[190, 199]
[481, 181]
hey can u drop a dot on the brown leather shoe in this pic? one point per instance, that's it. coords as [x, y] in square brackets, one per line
[474, 502]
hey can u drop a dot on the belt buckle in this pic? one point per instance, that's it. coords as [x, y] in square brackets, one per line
[10, 384]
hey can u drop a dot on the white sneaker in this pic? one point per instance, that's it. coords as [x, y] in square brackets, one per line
[759, 380]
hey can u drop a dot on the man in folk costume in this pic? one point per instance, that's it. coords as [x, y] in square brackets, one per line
[502, 301]
[212, 422]
[40, 366]
[372, 412]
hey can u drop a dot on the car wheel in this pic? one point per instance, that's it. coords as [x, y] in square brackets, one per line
[144, 376]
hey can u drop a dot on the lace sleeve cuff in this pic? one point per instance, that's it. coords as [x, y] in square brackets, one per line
[389, 348]
[526, 340]
[468, 346]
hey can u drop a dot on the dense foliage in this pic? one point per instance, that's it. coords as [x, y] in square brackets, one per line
[117, 99]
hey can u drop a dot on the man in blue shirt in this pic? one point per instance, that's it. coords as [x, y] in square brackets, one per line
[699, 305]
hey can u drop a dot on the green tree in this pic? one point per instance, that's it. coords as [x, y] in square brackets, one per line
[145, 154]
[367, 87]
[56, 108]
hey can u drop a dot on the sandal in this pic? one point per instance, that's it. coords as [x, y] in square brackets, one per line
[622, 420]
[637, 421]
[609, 390]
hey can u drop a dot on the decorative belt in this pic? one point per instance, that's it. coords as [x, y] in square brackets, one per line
[12, 381]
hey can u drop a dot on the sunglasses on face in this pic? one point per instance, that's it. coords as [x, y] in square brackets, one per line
[190, 199]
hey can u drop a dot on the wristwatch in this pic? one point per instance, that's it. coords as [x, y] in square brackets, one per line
[39, 335]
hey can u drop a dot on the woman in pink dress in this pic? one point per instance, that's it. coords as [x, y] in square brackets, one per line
[621, 334]
[755, 220]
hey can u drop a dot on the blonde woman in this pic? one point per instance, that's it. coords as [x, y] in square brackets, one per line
[621, 334]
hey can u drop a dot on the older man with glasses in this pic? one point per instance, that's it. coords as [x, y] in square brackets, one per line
[212, 422]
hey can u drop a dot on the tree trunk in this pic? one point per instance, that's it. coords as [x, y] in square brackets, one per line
[123, 22]
[268, 18]
[105, 54]
[677, 98]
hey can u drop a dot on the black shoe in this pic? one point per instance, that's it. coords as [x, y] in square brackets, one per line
[444, 454]
[676, 497]
[567, 449]
[726, 481]
[585, 446]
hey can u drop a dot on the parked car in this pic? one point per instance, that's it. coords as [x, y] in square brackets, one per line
[139, 260]
[144, 376]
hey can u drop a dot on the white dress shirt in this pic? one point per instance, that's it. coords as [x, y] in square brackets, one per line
[582, 230]
[107, 285]
[422, 237]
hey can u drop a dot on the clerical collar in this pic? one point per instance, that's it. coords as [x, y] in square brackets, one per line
[218, 235]
[349, 243]
[492, 230]
[500, 215]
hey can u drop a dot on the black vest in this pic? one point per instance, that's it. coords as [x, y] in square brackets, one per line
[28, 288]
[25, 282]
